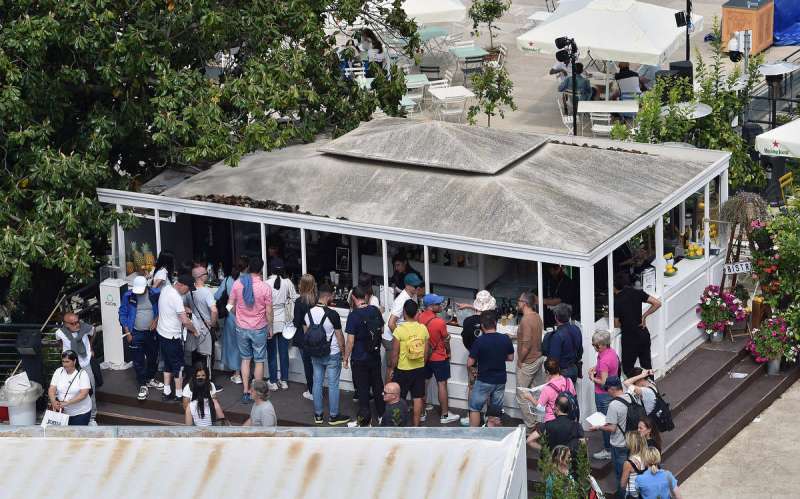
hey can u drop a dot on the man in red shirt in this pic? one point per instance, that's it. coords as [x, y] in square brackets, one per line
[438, 364]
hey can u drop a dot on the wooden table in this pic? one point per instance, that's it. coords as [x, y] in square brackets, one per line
[736, 16]
[608, 106]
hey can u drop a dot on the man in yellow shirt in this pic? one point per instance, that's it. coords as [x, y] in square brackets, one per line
[410, 351]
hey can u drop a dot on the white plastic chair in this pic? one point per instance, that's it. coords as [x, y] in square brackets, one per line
[454, 107]
[601, 124]
[501, 58]
[565, 111]
[354, 72]
[428, 97]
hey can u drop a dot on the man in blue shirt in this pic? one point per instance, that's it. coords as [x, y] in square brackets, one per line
[584, 88]
[566, 344]
[490, 352]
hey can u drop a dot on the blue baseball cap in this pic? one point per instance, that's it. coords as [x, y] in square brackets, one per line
[612, 381]
[432, 299]
[412, 279]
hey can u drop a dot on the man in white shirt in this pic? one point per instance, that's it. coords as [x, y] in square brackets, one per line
[412, 284]
[201, 303]
[77, 335]
[172, 319]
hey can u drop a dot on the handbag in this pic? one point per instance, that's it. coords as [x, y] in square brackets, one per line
[53, 418]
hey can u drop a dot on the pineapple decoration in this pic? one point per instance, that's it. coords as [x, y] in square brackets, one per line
[138, 258]
[149, 258]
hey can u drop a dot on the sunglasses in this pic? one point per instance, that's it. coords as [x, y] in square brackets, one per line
[72, 323]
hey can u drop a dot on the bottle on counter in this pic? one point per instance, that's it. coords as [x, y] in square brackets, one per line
[447, 259]
[210, 272]
[220, 272]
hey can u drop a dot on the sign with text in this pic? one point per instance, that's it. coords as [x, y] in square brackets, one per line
[738, 268]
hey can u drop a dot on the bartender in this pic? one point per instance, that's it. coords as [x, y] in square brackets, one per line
[401, 268]
[559, 288]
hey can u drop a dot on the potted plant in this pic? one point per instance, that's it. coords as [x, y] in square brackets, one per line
[718, 310]
[493, 91]
[771, 343]
[487, 12]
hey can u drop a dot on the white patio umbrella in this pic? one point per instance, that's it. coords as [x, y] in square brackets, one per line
[781, 141]
[612, 30]
[435, 11]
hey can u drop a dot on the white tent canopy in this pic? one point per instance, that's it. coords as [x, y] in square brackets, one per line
[435, 11]
[781, 141]
[612, 30]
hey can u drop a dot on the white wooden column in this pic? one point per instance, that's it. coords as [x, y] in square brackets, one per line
[303, 263]
[426, 267]
[157, 220]
[682, 216]
[615, 342]
[265, 267]
[707, 226]
[121, 246]
[723, 187]
[660, 262]
[385, 252]
[540, 288]
[586, 387]
[354, 259]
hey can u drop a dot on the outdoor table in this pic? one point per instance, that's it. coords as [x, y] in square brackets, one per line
[696, 109]
[451, 92]
[608, 106]
[428, 33]
[539, 16]
[462, 53]
[416, 81]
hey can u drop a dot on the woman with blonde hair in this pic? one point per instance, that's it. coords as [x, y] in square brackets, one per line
[562, 458]
[634, 465]
[654, 482]
[307, 299]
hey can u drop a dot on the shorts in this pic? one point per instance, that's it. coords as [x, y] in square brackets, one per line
[438, 368]
[252, 343]
[411, 381]
[487, 392]
[171, 354]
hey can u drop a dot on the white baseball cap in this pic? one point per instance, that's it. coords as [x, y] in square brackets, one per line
[139, 285]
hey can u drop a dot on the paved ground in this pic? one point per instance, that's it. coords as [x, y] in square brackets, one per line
[535, 91]
[760, 462]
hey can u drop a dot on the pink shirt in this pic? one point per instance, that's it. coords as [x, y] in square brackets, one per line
[607, 362]
[548, 396]
[254, 317]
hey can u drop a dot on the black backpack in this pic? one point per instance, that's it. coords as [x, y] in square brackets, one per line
[374, 326]
[548, 337]
[316, 341]
[661, 413]
[635, 413]
[574, 411]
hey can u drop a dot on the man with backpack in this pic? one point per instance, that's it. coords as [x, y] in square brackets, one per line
[624, 413]
[410, 350]
[362, 354]
[322, 327]
[490, 352]
[439, 341]
[654, 404]
[565, 343]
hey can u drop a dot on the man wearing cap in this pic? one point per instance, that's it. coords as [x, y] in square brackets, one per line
[471, 330]
[439, 341]
[138, 315]
[412, 283]
[616, 419]
[172, 318]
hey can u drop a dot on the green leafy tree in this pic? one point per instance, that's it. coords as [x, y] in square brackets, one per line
[493, 90]
[575, 486]
[487, 12]
[99, 93]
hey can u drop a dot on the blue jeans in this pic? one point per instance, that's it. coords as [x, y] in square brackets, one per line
[601, 400]
[333, 365]
[80, 419]
[144, 350]
[482, 392]
[278, 346]
[618, 456]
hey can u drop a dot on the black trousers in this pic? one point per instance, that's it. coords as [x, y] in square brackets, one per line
[366, 375]
[635, 345]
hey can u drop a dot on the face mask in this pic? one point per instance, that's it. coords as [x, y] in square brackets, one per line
[200, 381]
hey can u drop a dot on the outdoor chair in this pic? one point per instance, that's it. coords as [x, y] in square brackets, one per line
[416, 94]
[786, 183]
[566, 112]
[451, 109]
[501, 58]
[432, 72]
[601, 124]
[428, 98]
[354, 72]
[629, 86]
[472, 66]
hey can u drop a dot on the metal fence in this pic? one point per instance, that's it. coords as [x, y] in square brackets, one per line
[786, 96]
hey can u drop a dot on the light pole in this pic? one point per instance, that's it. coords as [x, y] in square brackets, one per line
[568, 52]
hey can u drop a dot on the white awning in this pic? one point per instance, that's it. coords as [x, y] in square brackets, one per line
[781, 141]
[435, 11]
[613, 30]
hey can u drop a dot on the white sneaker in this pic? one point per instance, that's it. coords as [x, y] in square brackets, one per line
[142, 393]
[155, 384]
[307, 395]
[449, 418]
[423, 416]
[92, 423]
[464, 421]
[273, 387]
[284, 385]
[428, 407]
[352, 424]
[602, 455]
[236, 379]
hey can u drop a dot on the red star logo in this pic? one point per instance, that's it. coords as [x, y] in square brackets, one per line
[530, 44]
[776, 144]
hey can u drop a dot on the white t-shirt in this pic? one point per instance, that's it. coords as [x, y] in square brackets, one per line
[397, 306]
[648, 397]
[61, 380]
[83, 360]
[170, 305]
[318, 313]
[564, 67]
[187, 391]
[280, 297]
[198, 421]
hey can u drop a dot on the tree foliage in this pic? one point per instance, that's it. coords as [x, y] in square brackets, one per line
[493, 90]
[99, 93]
[487, 12]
